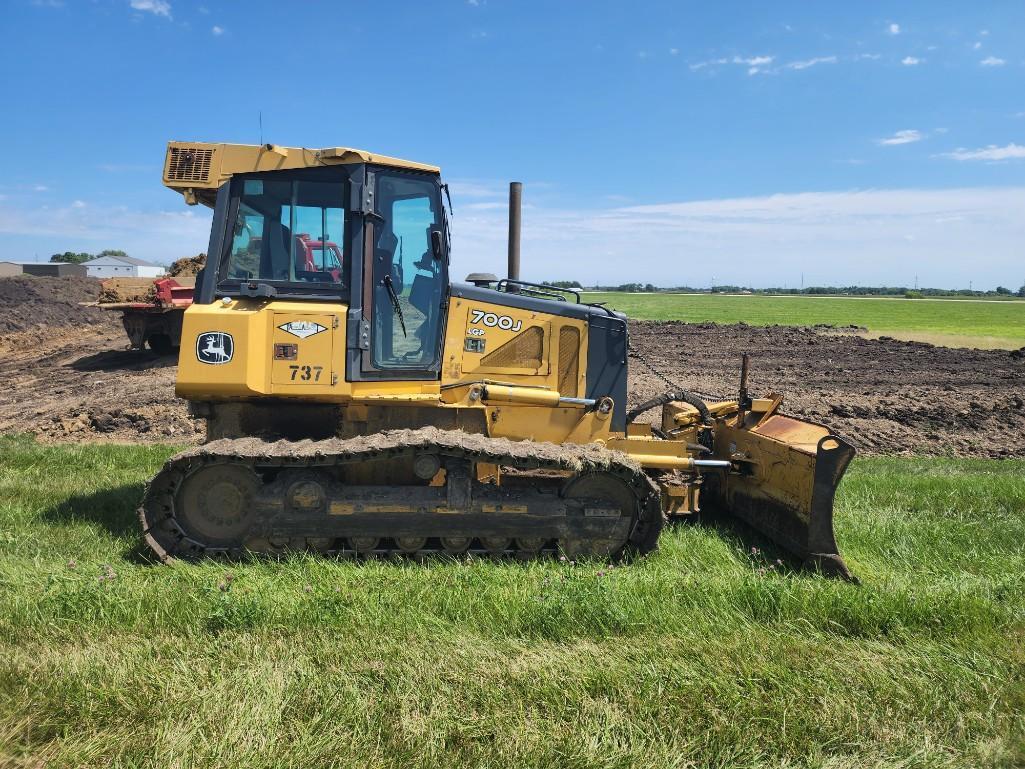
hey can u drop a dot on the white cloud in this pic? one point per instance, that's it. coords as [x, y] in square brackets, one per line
[217, 31]
[754, 64]
[156, 7]
[893, 29]
[868, 56]
[1011, 151]
[864, 236]
[910, 61]
[811, 62]
[976, 46]
[473, 2]
[80, 226]
[39, 188]
[753, 61]
[992, 61]
[906, 136]
[674, 51]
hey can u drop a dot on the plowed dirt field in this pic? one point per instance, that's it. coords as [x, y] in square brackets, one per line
[65, 376]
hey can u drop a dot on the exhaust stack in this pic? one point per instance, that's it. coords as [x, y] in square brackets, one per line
[515, 199]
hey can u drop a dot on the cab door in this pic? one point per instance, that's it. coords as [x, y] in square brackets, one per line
[405, 281]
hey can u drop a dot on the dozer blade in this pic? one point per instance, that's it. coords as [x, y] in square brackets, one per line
[788, 472]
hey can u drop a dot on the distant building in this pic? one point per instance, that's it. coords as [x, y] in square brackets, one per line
[49, 269]
[122, 267]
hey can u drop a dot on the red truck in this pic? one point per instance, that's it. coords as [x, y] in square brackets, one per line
[151, 311]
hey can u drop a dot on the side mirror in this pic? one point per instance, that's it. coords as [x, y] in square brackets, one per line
[437, 245]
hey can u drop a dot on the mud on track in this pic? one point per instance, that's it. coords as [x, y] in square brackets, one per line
[65, 376]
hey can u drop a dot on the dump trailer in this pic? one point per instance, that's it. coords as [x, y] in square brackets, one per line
[151, 309]
[377, 407]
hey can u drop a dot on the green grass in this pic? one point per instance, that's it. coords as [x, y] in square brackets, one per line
[969, 323]
[700, 655]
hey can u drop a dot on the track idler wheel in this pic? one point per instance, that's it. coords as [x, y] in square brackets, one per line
[529, 547]
[496, 545]
[411, 545]
[364, 544]
[455, 545]
[214, 504]
[611, 497]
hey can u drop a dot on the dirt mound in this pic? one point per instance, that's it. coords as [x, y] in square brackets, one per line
[28, 301]
[116, 290]
[188, 266]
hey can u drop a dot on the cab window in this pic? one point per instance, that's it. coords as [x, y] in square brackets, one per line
[288, 231]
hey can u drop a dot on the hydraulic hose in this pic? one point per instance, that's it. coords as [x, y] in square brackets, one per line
[672, 395]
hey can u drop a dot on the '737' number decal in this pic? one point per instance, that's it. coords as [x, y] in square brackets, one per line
[306, 373]
[491, 320]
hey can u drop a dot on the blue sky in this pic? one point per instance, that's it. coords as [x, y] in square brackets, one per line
[670, 142]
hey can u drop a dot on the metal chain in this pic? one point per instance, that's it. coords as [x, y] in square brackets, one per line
[672, 385]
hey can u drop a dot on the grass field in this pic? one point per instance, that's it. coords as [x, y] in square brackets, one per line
[961, 323]
[703, 654]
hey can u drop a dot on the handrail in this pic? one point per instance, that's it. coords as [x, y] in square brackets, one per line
[537, 289]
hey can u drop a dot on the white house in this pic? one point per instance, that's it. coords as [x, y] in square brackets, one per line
[122, 267]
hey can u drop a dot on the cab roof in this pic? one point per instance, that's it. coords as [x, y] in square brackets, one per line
[197, 169]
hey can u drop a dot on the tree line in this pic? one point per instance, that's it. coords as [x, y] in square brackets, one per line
[901, 291]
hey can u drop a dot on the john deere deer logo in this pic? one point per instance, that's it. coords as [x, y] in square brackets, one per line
[214, 347]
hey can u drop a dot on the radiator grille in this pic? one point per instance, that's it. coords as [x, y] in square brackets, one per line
[569, 361]
[522, 351]
[189, 164]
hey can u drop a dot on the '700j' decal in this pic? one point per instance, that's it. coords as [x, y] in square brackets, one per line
[491, 320]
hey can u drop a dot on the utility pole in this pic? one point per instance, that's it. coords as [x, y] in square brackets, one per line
[916, 283]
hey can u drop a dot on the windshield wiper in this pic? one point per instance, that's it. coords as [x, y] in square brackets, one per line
[395, 302]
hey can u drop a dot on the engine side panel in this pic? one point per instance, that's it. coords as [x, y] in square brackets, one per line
[498, 342]
[255, 349]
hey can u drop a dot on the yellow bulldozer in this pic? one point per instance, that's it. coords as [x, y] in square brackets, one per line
[358, 402]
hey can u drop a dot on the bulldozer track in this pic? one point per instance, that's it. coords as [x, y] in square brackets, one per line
[280, 463]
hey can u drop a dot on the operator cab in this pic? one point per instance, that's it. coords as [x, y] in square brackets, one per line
[372, 237]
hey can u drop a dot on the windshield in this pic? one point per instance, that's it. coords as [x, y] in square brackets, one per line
[288, 231]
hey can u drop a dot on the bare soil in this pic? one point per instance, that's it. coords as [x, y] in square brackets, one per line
[885, 396]
[65, 376]
[28, 302]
